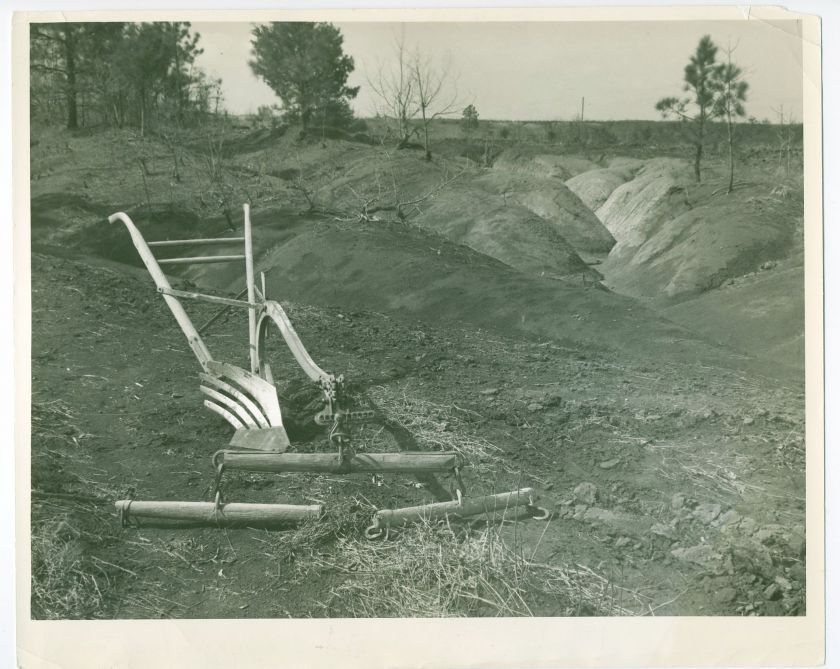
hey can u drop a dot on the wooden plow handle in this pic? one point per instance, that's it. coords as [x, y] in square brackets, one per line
[273, 312]
[193, 338]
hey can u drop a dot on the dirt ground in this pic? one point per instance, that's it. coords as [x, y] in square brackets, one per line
[681, 487]
[673, 466]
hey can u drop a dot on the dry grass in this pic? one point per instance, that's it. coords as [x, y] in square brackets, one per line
[713, 472]
[68, 582]
[442, 571]
[70, 520]
[437, 427]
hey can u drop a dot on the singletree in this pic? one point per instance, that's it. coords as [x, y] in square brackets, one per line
[729, 102]
[697, 108]
[306, 67]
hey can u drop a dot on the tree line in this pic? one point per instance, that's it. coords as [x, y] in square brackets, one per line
[144, 75]
[118, 74]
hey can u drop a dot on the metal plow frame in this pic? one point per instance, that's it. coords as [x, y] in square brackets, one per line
[247, 399]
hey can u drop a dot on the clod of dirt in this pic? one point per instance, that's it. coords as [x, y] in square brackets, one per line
[772, 592]
[609, 464]
[730, 518]
[706, 513]
[701, 554]
[725, 595]
[586, 493]
[662, 530]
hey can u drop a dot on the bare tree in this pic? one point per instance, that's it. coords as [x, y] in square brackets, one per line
[413, 88]
[430, 84]
[784, 135]
[394, 90]
[385, 200]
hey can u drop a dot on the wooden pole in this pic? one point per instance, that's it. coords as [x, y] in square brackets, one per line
[216, 241]
[187, 327]
[464, 508]
[331, 463]
[249, 282]
[221, 312]
[199, 260]
[215, 299]
[225, 515]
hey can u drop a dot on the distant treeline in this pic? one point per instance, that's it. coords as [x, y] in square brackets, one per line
[610, 133]
[117, 74]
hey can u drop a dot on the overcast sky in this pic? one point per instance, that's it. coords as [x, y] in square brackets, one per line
[540, 70]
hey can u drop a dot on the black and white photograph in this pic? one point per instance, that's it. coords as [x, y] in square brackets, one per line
[351, 319]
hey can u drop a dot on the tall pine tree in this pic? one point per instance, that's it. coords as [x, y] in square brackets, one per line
[697, 107]
[305, 65]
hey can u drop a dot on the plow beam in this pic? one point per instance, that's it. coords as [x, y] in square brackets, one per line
[463, 508]
[331, 463]
[223, 515]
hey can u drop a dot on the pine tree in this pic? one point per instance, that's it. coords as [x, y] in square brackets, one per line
[306, 67]
[697, 108]
[731, 93]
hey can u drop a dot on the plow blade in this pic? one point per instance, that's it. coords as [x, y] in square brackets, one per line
[360, 463]
[222, 515]
[463, 508]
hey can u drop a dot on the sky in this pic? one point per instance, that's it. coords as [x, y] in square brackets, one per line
[541, 70]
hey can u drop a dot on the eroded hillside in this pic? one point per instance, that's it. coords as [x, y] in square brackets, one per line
[465, 302]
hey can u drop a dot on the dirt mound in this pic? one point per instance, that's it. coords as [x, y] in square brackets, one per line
[549, 198]
[635, 210]
[542, 164]
[767, 306]
[512, 233]
[723, 237]
[414, 274]
[540, 230]
[595, 186]
[534, 225]
[626, 167]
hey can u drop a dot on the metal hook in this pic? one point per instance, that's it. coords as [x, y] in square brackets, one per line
[124, 514]
[375, 531]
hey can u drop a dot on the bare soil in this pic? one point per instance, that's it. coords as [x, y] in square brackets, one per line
[673, 466]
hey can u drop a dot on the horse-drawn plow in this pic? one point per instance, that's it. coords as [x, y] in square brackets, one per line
[248, 400]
